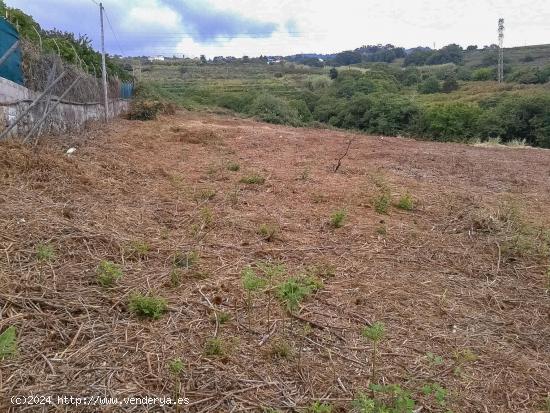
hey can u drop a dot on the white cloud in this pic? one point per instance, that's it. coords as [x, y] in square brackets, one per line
[324, 25]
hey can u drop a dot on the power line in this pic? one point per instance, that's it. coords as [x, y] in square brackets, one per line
[113, 31]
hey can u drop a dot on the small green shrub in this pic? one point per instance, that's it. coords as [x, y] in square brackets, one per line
[434, 359]
[251, 282]
[108, 273]
[187, 260]
[147, 306]
[406, 203]
[337, 218]
[394, 400]
[280, 348]
[268, 232]
[176, 277]
[45, 252]
[374, 333]
[292, 292]
[233, 167]
[254, 179]
[176, 366]
[214, 347]
[8, 343]
[205, 195]
[438, 392]
[319, 407]
[136, 250]
[382, 230]
[382, 203]
[223, 317]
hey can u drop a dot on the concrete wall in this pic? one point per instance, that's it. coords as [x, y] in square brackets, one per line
[68, 116]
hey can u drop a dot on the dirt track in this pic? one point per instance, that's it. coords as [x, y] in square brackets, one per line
[462, 276]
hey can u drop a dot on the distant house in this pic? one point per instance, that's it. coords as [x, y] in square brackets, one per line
[156, 58]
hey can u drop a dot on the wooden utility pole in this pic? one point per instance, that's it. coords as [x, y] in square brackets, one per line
[104, 66]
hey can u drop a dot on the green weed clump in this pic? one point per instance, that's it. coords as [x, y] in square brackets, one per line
[45, 252]
[375, 333]
[205, 195]
[8, 343]
[292, 292]
[268, 231]
[186, 260]
[438, 392]
[253, 179]
[233, 167]
[386, 399]
[176, 366]
[136, 250]
[108, 273]
[147, 306]
[214, 347]
[406, 203]
[337, 218]
[319, 407]
[382, 203]
[280, 348]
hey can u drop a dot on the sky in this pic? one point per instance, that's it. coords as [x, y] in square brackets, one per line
[285, 27]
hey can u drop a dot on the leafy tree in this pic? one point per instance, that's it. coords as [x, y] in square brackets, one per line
[418, 57]
[484, 73]
[347, 58]
[518, 117]
[430, 85]
[452, 53]
[333, 73]
[471, 48]
[274, 110]
[449, 84]
[451, 121]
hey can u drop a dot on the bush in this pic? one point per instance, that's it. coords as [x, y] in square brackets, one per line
[301, 108]
[147, 306]
[274, 110]
[145, 110]
[237, 102]
[254, 179]
[451, 121]
[450, 84]
[430, 85]
[108, 273]
[484, 73]
[530, 75]
[519, 117]
[337, 218]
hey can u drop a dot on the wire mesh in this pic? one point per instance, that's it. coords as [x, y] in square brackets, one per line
[40, 68]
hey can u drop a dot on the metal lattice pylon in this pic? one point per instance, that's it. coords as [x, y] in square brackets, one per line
[500, 50]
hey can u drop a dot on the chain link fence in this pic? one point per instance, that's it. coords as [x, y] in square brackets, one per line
[41, 69]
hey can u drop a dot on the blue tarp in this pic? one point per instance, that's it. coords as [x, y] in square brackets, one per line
[126, 90]
[11, 68]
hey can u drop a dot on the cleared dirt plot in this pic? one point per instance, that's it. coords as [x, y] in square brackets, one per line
[225, 261]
